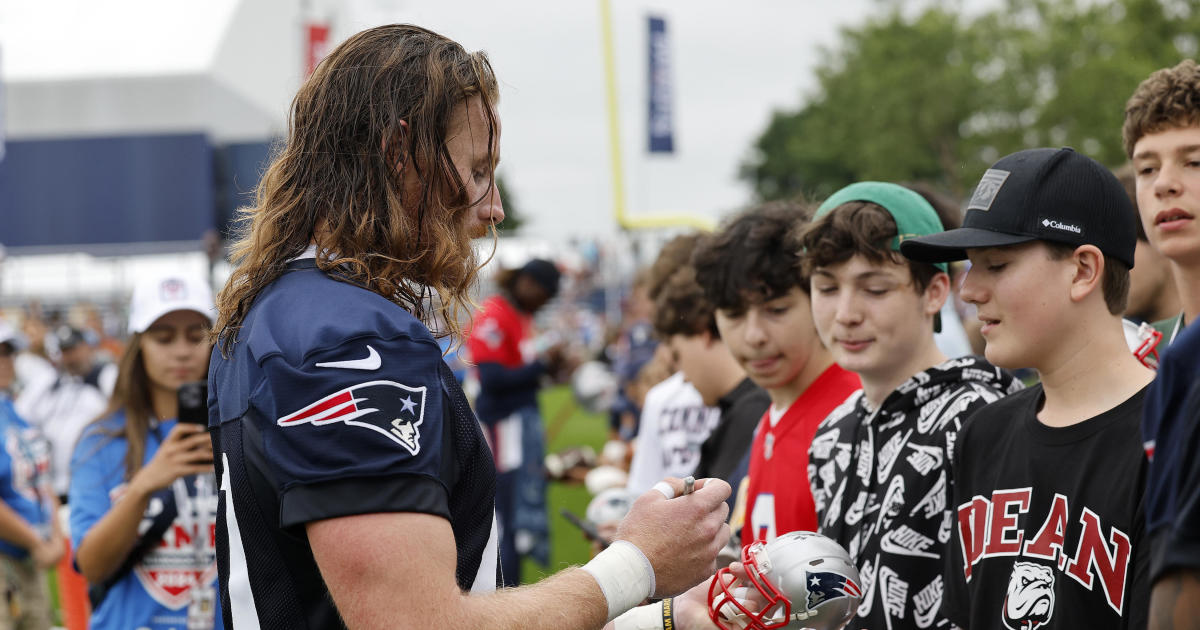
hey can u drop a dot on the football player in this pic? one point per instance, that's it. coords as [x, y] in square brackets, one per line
[356, 489]
[502, 345]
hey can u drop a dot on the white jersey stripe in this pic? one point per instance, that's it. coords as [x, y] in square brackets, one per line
[241, 599]
[485, 578]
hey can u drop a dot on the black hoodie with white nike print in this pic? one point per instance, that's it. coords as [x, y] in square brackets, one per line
[881, 485]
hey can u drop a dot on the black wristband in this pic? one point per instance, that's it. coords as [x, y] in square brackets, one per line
[668, 607]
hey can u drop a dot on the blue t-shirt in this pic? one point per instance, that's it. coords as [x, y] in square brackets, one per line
[156, 593]
[24, 474]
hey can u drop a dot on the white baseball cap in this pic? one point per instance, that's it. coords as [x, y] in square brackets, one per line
[158, 295]
[8, 334]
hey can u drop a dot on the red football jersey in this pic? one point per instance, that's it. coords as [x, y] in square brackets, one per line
[501, 333]
[779, 498]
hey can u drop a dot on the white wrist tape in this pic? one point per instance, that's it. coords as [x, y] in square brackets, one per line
[624, 574]
[641, 618]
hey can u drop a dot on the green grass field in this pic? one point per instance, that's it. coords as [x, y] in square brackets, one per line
[575, 427]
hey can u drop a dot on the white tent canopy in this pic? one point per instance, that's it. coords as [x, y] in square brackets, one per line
[226, 68]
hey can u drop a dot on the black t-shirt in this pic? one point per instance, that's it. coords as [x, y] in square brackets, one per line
[727, 445]
[1051, 519]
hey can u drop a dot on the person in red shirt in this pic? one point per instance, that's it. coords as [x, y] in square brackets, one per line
[749, 271]
[501, 343]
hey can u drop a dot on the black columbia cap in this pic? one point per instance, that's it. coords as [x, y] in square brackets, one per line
[1039, 195]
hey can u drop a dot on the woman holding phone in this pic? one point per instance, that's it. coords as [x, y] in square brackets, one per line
[142, 497]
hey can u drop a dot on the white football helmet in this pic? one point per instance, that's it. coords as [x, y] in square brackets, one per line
[594, 386]
[602, 478]
[610, 506]
[798, 580]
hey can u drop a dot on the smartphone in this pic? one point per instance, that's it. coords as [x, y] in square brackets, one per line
[588, 528]
[193, 402]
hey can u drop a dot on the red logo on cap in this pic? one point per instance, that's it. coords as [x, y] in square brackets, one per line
[172, 290]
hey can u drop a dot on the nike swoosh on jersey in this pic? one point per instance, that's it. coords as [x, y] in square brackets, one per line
[372, 362]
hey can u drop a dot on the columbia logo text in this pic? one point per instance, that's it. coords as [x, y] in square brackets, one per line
[1062, 226]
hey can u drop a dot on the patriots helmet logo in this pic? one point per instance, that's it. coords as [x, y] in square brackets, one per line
[803, 580]
[823, 587]
[389, 408]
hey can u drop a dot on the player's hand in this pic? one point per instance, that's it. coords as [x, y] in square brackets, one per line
[680, 536]
[560, 362]
[186, 451]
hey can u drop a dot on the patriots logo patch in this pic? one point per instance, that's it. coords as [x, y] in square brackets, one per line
[386, 407]
[824, 586]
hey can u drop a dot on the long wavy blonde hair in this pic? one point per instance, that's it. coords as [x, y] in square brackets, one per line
[341, 171]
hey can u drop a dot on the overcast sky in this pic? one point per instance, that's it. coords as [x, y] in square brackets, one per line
[733, 63]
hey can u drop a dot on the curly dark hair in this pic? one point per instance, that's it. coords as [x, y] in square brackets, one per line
[674, 254]
[384, 97]
[681, 307]
[1168, 98]
[752, 259]
[856, 228]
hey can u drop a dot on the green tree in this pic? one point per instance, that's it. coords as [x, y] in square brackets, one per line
[1072, 65]
[937, 95]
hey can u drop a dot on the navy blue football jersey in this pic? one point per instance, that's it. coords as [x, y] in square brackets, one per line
[335, 402]
[1171, 434]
